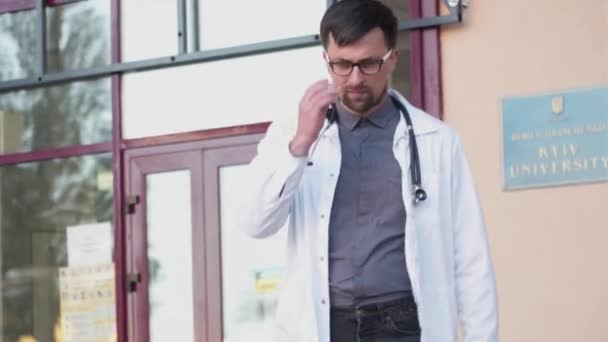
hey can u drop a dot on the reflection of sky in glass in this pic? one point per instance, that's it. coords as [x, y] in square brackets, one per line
[247, 313]
[234, 22]
[169, 220]
[218, 94]
[148, 29]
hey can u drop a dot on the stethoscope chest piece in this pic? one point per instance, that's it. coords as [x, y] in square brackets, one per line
[419, 195]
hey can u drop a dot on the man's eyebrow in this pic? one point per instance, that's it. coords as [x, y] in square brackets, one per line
[367, 59]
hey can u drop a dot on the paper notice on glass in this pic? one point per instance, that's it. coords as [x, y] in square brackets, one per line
[88, 309]
[89, 244]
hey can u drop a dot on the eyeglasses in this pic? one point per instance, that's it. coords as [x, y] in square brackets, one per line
[368, 66]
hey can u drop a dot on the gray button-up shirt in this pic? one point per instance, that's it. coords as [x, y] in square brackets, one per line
[366, 229]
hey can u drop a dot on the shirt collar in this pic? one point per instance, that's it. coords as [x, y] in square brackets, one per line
[379, 117]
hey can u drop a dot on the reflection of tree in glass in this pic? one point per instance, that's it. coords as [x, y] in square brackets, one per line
[70, 114]
[49, 196]
[154, 274]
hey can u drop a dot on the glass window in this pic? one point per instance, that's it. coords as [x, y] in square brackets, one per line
[218, 94]
[39, 201]
[78, 35]
[229, 23]
[148, 29]
[252, 269]
[401, 8]
[401, 78]
[17, 45]
[169, 240]
[67, 114]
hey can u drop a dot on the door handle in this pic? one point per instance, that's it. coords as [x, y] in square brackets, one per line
[132, 280]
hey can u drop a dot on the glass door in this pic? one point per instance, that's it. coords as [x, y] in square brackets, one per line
[163, 231]
[251, 269]
[192, 276]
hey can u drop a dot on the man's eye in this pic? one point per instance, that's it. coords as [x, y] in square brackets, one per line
[342, 65]
[368, 63]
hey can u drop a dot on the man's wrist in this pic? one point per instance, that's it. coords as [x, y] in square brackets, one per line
[299, 146]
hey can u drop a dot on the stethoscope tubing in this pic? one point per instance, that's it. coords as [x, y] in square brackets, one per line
[418, 193]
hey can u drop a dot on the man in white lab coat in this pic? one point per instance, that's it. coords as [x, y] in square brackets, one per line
[367, 262]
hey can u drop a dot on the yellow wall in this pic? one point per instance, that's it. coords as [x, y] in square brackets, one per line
[550, 246]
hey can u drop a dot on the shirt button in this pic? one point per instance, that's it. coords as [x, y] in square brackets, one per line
[322, 258]
[322, 216]
[331, 175]
[323, 301]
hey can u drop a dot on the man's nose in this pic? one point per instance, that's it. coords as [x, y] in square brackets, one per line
[356, 76]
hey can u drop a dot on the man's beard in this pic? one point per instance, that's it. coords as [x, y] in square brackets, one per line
[361, 104]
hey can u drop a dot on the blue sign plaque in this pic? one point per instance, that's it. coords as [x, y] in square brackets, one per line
[555, 139]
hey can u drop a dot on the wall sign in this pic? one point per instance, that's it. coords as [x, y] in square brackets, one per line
[555, 139]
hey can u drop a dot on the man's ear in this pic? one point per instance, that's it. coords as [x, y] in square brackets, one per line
[325, 56]
[396, 55]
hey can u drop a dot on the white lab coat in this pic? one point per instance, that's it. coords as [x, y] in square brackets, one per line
[446, 246]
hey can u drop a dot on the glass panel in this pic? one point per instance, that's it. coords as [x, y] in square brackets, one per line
[256, 21]
[251, 279]
[401, 78]
[169, 220]
[218, 94]
[39, 201]
[17, 45]
[401, 8]
[68, 114]
[78, 35]
[148, 29]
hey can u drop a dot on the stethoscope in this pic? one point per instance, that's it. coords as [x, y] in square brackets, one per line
[418, 192]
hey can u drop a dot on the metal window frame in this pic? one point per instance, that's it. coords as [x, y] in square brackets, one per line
[43, 78]
[24, 5]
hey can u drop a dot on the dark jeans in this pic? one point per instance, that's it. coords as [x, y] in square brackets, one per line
[394, 321]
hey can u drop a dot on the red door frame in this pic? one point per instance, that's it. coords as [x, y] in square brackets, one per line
[202, 158]
[137, 262]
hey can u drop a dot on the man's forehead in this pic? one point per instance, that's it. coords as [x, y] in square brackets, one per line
[372, 40]
[357, 51]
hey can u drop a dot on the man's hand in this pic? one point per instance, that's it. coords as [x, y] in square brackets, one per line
[312, 109]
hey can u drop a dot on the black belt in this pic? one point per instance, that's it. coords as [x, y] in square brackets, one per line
[375, 308]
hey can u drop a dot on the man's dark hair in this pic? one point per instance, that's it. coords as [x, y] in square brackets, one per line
[349, 20]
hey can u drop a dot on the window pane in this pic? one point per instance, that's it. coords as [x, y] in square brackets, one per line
[401, 8]
[251, 279]
[38, 202]
[218, 94]
[68, 114]
[78, 35]
[256, 21]
[170, 256]
[17, 45]
[401, 78]
[148, 29]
